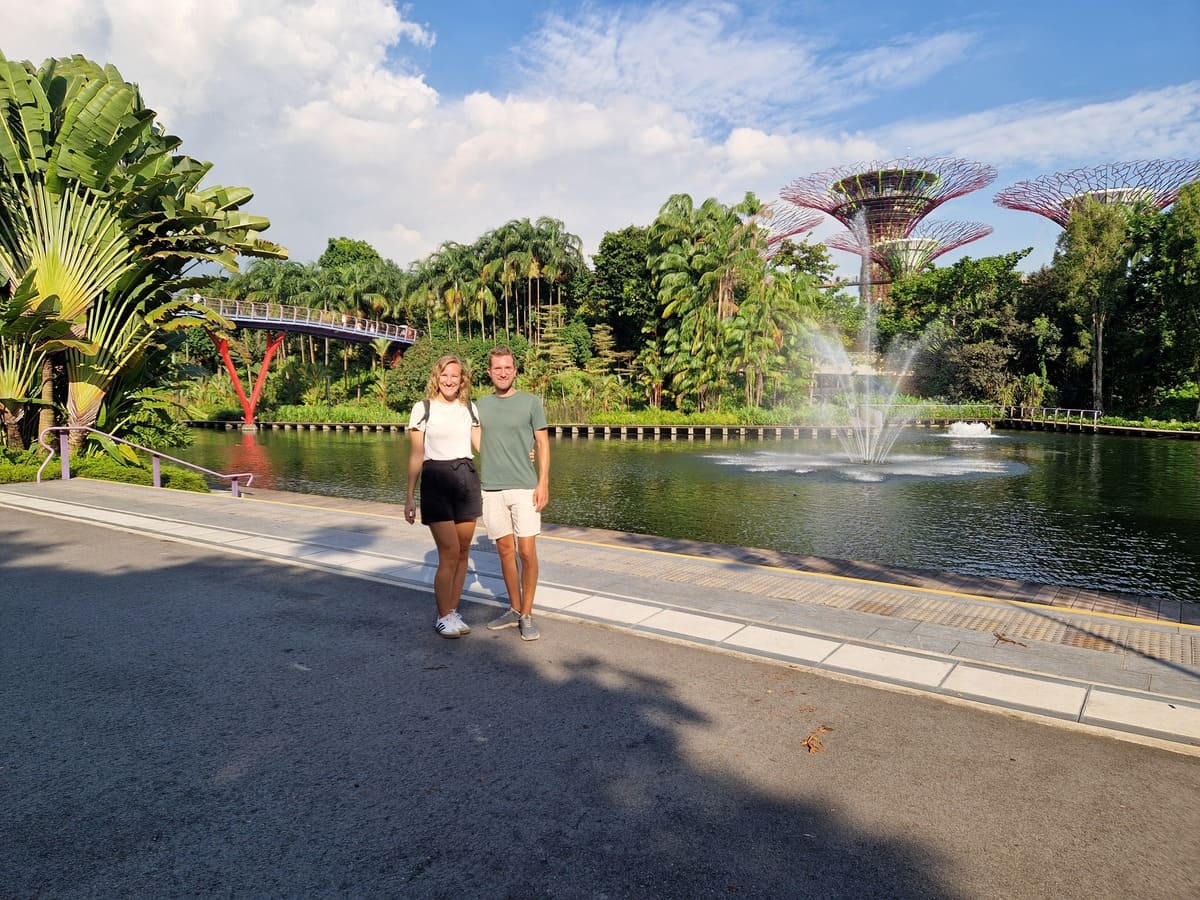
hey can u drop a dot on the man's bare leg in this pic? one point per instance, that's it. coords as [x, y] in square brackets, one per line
[527, 551]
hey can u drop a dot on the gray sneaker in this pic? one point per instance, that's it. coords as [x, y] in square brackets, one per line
[529, 631]
[509, 619]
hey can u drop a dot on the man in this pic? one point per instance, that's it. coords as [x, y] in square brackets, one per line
[514, 492]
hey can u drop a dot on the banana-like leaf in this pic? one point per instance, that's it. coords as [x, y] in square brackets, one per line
[103, 215]
[19, 364]
[121, 453]
[25, 122]
[76, 246]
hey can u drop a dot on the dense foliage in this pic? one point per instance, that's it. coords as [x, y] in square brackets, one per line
[692, 316]
[689, 317]
[101, 219]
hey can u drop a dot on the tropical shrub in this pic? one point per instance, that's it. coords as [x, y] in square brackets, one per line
[17, 466]
[355, 413]
[105, 468]
[101, 219]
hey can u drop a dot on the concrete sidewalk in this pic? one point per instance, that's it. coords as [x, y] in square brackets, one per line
[1102, 667]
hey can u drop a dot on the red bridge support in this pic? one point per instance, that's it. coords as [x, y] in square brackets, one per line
[248, 405]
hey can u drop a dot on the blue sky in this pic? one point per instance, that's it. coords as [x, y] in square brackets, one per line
[410, 125]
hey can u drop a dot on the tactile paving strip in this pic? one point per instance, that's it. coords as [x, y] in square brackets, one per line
[1011, 624]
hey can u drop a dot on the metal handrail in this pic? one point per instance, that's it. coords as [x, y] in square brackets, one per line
[1057, 414]
[276, 313]
[241, 479]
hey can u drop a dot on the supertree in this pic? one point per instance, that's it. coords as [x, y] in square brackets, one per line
[915, 251]
[1156, 182]
[882, 202]
[788, 221]
[887, 199]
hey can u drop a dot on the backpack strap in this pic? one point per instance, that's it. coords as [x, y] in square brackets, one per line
[470, 406]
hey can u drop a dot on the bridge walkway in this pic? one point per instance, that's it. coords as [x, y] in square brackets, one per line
[304, 320]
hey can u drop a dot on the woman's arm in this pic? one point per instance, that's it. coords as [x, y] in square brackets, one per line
[416, 458]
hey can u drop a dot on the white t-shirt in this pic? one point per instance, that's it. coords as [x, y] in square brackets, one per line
[447, 430]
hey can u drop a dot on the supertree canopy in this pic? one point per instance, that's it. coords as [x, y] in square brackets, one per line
[788, 221]
[1156, 182]
[885, 200]
[915, 251]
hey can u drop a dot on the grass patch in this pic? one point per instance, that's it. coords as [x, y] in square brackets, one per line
[363, 414]
[17, 468]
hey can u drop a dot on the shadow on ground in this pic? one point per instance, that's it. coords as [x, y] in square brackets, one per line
[190, 724]
[177, 722]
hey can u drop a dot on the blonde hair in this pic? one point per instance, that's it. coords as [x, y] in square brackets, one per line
[464, 387]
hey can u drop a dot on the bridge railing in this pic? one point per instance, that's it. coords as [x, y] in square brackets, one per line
[1055, 415]
[236, 482]
[277, 313]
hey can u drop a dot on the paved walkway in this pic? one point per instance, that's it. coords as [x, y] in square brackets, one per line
[997, 643]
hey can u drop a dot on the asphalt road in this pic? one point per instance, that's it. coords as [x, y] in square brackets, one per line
[176, 722]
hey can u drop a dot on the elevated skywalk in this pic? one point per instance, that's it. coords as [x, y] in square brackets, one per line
[317, 322]
[279, 321]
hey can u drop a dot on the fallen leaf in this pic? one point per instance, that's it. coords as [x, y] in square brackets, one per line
[1007, 640]
[813, 741]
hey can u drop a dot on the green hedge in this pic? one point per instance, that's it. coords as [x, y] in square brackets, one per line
[1173, 425]
[105, 468]
[374, 414]
[16, 468]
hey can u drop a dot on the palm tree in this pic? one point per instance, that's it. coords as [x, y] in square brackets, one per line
[563, 255]
[703, 258]
[456, 267]
[30, 330]
[766, 324]
[105, 218]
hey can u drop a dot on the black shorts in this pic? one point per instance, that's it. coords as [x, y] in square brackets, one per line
[450, 491]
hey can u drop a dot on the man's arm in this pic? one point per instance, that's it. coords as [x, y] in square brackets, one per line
[541, 444]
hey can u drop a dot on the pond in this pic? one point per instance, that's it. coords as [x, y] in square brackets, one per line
[1092, 511]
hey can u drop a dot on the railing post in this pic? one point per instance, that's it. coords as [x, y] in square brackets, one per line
[64, 453]
[156, 466]
[233, 487]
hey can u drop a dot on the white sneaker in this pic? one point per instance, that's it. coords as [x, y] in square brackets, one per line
[447, 626]
[464, 628]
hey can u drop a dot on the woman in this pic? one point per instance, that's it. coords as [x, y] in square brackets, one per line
[444, 429]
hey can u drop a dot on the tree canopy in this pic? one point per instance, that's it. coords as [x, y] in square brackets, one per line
[101, 219]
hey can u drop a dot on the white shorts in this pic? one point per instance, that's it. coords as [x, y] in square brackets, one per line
[511, 512]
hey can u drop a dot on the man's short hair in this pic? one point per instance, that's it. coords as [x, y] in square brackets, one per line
[501, 350]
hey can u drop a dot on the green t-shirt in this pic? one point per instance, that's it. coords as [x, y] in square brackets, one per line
[507, 426]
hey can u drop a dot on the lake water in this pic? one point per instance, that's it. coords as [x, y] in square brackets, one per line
[1093, 511]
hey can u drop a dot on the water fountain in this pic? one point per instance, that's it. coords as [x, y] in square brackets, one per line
[970, 430]
[867, 390]
[867, 416]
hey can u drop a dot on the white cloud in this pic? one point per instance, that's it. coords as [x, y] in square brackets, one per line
[903, 62]
[52, 29]
[704, 58]
[698, 57]
[765, 161]
[1158, 123]
[312, 104]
